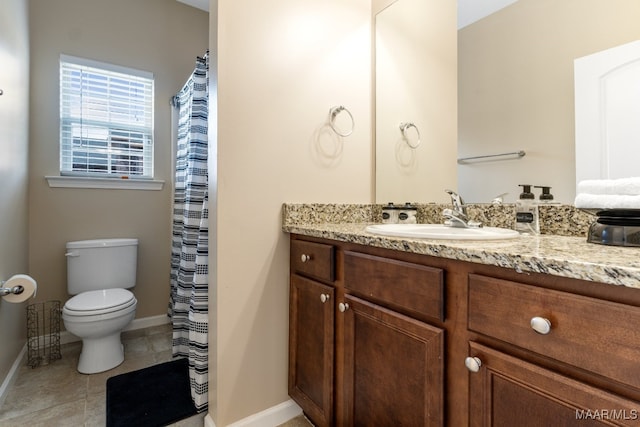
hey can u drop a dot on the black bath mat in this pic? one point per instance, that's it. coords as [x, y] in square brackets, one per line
[153, 396]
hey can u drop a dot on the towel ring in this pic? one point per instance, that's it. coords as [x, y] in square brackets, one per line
[333, 113]
[403, 129]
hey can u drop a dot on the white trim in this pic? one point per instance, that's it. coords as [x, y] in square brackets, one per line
[12, 375]
[104, 183]
[273, 416]
[208, 421]
[106, 66]
[147, 322]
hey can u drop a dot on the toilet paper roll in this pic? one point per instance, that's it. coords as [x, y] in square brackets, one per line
[30, 288]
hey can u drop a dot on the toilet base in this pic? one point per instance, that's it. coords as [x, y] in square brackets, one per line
[102, 354]
[100, 334]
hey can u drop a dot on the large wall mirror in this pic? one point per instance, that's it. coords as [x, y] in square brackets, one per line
[415, 109]
[515, 91]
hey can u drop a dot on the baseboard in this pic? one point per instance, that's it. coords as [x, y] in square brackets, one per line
[11, 375]
[147, 322]
[271, 417]
[144, 322]
[208, 421]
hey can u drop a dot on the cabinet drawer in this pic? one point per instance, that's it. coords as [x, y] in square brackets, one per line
[405, 286]
[315, 260]
[589, 333]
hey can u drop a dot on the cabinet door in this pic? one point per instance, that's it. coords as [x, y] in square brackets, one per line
[508, 391]
[393, 368]
[311, 348]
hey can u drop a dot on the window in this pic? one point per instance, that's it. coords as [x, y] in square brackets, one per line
[106, 120]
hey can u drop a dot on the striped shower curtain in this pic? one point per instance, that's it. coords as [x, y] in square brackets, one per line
[188, 302]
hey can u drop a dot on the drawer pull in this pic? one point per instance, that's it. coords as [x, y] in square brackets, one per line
[324, 297]
[343, 306]
[473, 364]
[541, 325]
[305, 258]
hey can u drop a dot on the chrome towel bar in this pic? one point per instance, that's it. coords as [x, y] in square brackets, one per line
[518, 154]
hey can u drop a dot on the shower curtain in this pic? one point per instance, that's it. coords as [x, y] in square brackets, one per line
[188, 302]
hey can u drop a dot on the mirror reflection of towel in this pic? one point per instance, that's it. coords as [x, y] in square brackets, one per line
[622, 186]
[623, 193]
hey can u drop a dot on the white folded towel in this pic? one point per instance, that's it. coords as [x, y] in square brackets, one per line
[622, 186]
[607, 201]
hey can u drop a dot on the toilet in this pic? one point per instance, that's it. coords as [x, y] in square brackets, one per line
[99, 274]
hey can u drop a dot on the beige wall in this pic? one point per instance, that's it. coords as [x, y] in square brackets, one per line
[282, 65]
[516, 89]
[14, 82]
[160, 36]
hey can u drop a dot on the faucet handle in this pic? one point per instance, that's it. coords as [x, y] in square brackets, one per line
[456, 200]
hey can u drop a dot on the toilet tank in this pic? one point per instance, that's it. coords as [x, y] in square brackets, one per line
[101, 264]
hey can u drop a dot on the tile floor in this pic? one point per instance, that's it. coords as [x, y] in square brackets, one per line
[300, 421]
[58, 395]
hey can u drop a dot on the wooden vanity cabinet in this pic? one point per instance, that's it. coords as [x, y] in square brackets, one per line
[311, 329]
[569, 355]
[368, 358]
[391, 348]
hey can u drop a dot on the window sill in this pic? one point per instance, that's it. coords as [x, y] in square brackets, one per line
[104, 183]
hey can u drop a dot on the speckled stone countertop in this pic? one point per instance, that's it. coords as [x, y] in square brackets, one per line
[560, 255]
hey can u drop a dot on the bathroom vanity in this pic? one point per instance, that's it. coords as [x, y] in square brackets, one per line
[395, 331]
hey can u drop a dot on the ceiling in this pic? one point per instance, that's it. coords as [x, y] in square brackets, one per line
[200, 4]
[469, 11]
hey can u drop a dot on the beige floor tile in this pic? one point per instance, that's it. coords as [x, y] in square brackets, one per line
[136, 345]
[43, 387]
[58, 395]
[195, 421]
[159, 342]
[299, 421]
[64, 415]
[96, 410]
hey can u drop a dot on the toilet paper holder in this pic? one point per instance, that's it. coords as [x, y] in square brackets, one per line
[17, 290]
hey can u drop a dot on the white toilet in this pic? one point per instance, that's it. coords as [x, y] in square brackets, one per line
[99, 272]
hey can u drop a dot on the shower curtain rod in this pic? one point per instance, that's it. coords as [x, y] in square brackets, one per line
[173, 100]
[203, 57]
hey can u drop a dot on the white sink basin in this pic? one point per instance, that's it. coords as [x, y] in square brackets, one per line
[440, 231]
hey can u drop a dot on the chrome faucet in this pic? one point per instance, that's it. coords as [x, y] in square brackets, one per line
[457, 217]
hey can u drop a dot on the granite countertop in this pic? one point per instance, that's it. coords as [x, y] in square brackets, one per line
[566, 256]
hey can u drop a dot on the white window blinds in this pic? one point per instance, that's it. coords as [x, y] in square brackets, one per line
[106, 119]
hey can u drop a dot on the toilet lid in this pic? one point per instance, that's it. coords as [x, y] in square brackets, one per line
[102, 300]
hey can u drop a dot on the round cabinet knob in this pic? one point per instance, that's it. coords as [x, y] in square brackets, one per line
[324, 297]
[541, 325]
[472, 363]
[343, 306]
[305, 258]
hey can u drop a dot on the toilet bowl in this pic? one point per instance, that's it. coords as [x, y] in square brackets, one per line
[98, 317]
[99, 274]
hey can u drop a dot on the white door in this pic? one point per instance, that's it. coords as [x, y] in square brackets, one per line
[607, 109]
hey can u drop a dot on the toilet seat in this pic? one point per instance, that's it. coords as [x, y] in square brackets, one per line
[99, 302]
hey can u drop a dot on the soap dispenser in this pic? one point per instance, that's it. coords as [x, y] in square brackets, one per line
[527, 216]
[546, 197]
